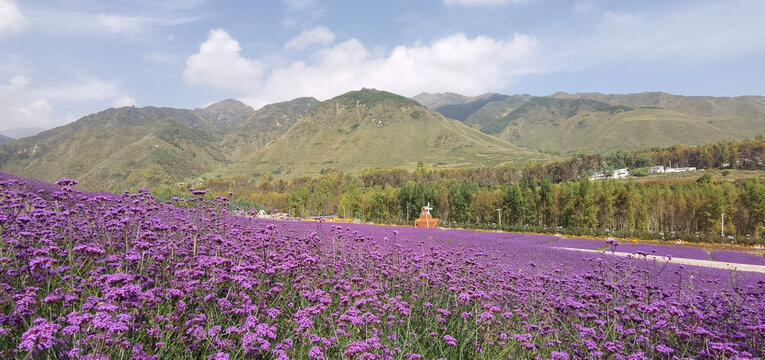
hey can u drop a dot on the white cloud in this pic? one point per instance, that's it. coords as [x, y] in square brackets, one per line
[26, 104]
[12, 20]
[132, 25]
[319, 35]
[123, 101]
[455, 63]
[583, 6]
[302, 11]
[98, 24]
[617, 19]
[218, 63]
[482, 2]
[37, 109]
[701, 33]
[17, 82]
[86, 88]
[18, 108]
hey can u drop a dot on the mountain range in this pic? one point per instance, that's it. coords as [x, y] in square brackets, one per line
[132, 147]
[566, 123]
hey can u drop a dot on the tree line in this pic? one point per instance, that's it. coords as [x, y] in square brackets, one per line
[550, 197]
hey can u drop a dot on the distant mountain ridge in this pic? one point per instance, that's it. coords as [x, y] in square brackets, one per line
[566, 123]
[371, 128]
[21, 132]
[134, 147]
[129, 146]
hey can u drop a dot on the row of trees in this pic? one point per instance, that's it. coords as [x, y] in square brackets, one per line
[690, 209]
[553, 197]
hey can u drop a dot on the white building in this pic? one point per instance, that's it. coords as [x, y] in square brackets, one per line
[679, 169]
[621, 173]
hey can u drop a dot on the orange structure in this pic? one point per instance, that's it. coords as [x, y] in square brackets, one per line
[425, 220]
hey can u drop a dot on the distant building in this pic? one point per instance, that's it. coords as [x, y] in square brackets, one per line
[621, 173]
[425, 220]
[679, 169]
[656, 169]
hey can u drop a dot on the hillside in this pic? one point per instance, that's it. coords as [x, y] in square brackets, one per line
[371, 128]
[597, 123]
[133, 147]
[263, 126]
[5, 139]
[225, 113]
[125, 147]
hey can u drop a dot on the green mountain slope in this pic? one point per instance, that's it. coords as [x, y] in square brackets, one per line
[371, 128]
[5, 139]
[263, 126]
[119, 148]
[596, 123]
[465, 107]
[226, 113]
[142, 147]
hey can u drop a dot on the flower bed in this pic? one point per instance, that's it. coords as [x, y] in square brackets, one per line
[91, 276]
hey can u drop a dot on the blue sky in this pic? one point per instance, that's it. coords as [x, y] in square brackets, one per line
[63, 59]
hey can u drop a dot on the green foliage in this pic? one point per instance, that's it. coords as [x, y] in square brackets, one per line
[162, 156]
[705, 179]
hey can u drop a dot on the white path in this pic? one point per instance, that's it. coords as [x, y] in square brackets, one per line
[683, 261]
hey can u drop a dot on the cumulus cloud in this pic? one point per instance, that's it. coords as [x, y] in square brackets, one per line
[123, 101]
[454, 63]
[319, 35]
[12, 20]
[482, 2]
[220, 64]
[18, 109]
[26, 104]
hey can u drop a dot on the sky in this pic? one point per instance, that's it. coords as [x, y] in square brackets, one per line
[64, 59]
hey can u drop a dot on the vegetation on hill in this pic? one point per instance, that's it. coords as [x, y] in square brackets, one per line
[155, 146]
[596, 123]
[371, 128]
[141, 147]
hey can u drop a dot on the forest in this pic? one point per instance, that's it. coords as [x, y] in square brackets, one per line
[548, 198]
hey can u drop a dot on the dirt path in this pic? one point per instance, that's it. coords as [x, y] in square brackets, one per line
[683, 261]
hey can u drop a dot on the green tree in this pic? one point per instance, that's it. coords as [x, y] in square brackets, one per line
[587, 214]
[515, 205]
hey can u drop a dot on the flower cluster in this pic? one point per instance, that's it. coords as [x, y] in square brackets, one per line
[96, 276]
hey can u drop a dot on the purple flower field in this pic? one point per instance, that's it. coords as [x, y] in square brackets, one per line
[576, 243]
[737, 257]
[97, 276]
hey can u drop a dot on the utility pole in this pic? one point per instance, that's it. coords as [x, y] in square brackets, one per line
[500, 217]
